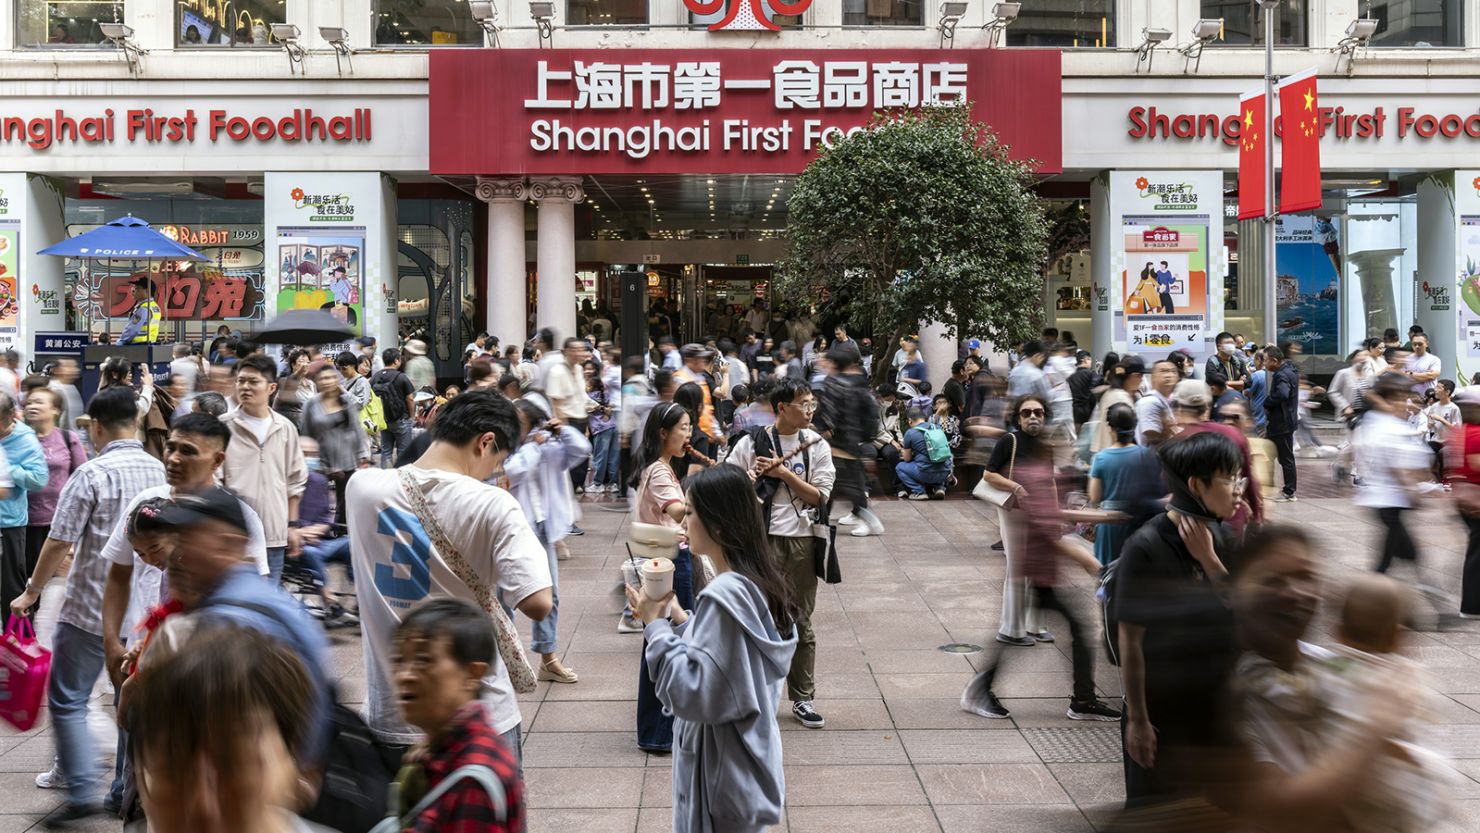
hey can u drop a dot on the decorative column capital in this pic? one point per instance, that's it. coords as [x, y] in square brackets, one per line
[498, 189]
[557, 189]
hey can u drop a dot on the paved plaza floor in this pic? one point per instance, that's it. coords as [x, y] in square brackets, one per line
[897, 754]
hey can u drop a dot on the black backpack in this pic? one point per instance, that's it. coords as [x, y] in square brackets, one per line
[358, 769]
[383, 384]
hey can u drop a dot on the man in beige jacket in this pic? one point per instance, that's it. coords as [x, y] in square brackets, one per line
[264, 463]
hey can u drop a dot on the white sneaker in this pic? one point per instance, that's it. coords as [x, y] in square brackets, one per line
[848, 520]
[52, 779]
[629, 624]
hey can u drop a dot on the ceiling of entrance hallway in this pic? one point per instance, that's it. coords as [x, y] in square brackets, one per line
[690, 205]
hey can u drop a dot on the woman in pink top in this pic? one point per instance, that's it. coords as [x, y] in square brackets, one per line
[64, 453]
[660, 501]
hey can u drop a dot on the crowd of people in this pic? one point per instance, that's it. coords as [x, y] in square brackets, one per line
[173, 542]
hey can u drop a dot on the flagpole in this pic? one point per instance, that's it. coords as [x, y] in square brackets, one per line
[1270, 312]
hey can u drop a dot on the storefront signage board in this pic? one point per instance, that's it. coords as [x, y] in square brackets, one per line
[1165, 293]
[557, 111]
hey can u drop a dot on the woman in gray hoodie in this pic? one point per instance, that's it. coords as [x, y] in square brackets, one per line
[718, 670]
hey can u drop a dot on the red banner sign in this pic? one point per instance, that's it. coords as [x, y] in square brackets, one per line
[189, 295]
[557, 111]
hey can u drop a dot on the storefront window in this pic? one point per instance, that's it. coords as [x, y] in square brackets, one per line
[1064, 23]
[1243, 24]
[782, 20]
[233, 23]
[883, 13]
[425, 23]
[1418, 23]
[64, 23]
[606, 12]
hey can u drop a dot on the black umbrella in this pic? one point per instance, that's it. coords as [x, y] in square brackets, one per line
[304, 326]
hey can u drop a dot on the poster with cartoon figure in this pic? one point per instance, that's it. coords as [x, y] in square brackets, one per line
[1468, 307]
[1164, 286]
[323, 269]
[10, 311]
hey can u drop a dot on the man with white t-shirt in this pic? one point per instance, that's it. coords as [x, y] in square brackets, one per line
[194, 450]
[396, 565]
[1422, 367]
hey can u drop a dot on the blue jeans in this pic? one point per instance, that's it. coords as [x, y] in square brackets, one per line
[77, 660]
[607, 454]
[654, 728]
[394, 440]
[917, 478]
[316, 556]
[543, 641]
[275, 556]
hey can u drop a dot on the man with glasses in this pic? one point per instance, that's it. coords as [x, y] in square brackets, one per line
[264, 463]
[793, 485]
[1192, 406]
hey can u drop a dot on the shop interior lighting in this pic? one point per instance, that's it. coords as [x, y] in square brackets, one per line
[1204, 32]
[543, 12]
[1147, 50]
[485, 14]
[287, 34]
[122, 37]
[951, 12]
[338, 39]
[1003, 14]
[1358, 36]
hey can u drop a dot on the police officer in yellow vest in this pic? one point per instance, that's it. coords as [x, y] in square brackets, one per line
[143, 320]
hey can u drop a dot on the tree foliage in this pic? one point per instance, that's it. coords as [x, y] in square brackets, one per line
[920, 219]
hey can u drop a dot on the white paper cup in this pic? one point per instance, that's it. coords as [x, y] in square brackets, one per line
[657, 577]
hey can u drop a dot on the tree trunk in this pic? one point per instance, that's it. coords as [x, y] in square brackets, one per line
[883, 360]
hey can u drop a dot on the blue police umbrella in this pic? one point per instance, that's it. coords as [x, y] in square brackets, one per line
[127, 238]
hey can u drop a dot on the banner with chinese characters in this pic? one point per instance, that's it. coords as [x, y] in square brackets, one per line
[560, 111]
[1166, 287]
[323, 268]
[227, 287]
[1307, 263]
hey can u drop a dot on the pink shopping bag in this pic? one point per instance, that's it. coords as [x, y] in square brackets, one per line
[24, 667]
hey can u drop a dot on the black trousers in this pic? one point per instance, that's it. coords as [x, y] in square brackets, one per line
[578, 474]
[1080, 651]
[1398, 543]
[884, 471]
[1469, 600]
[1284, 446]
[15, 567]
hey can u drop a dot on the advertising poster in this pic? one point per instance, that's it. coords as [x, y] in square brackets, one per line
[323, 268]
[1469, 286]
[10, 311]
[1308, 268]
[1164, 285]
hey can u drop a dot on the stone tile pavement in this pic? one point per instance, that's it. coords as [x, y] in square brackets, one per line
[897, 754]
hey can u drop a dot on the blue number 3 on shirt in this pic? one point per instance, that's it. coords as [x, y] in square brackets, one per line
[412, 550]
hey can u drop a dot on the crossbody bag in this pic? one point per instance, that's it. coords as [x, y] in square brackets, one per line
[510, 646]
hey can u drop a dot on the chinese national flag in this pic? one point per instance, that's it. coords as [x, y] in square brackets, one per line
[1300, 144]
[1251, 141]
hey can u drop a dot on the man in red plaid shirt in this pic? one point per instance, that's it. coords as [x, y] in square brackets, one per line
[442, 651]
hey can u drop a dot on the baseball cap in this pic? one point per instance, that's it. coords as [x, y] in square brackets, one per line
[695, 351]
[1132, 364]
[1192, 393]
[416, 347]
[213, 504]
[974, 344]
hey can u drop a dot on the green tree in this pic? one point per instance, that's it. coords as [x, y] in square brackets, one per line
[921, 218]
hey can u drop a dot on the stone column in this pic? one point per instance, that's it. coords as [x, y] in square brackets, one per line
[504, 298]
[1102, 231]
[1439, 298]
[555, 294]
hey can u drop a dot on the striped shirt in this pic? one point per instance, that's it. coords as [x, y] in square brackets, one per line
[91, 505]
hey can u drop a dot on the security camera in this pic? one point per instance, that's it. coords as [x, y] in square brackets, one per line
[1006, 12]
[1157, 35]
[1208, 29]
[116, 31]
[1362, 28]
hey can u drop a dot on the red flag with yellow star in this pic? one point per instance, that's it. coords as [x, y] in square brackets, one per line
[1300, 144]
[1251, 141]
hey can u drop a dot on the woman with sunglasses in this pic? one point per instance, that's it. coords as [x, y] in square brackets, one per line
[1020, 452]
[1036, 548]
